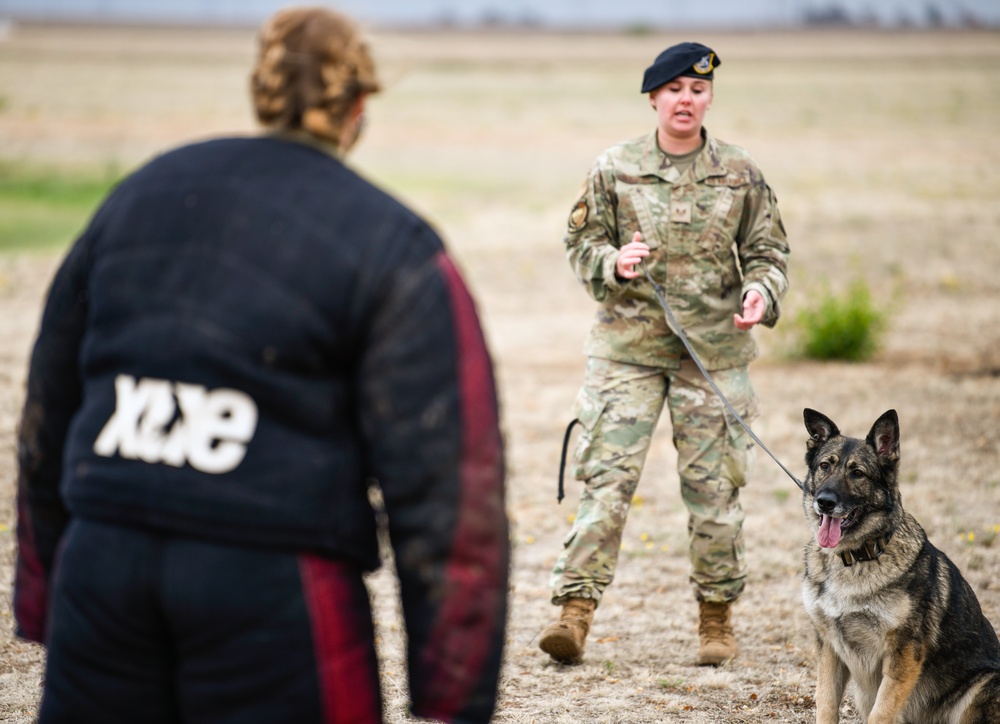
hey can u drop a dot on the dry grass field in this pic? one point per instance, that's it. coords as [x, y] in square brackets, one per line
[884, 154]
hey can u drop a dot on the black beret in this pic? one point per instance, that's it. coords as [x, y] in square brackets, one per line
[691, 59]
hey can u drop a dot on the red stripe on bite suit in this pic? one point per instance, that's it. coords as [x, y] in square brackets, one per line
[465, 630]
[348, 675]
[31, 582]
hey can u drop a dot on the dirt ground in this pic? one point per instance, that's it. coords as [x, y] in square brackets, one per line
[883, 153]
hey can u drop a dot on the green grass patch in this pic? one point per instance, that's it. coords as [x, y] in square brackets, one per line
[44, 209]
[846, 327]
[674, 683]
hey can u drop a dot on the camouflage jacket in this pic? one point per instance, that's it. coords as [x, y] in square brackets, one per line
[714, 233]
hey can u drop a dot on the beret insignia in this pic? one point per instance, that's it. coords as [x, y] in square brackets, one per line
[705, 65]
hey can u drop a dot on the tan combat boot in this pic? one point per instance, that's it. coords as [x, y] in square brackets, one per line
[564, 639]
[715, 632]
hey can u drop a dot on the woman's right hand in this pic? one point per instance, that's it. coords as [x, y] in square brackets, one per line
[630, 255]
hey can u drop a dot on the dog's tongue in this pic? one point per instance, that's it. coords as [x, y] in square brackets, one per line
[829, 532]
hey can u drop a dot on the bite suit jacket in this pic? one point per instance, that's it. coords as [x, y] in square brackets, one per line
[245, 343]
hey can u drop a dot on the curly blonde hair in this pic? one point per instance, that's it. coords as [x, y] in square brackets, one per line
[311, 67]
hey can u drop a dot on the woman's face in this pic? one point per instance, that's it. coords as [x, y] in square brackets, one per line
[680, 106]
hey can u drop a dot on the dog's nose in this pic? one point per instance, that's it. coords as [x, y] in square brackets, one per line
[826, 501]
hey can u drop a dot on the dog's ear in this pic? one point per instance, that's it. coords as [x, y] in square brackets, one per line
[820, 427]
[884, 437]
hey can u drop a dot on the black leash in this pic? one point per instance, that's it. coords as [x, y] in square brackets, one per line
[694, 355]
[562, 461]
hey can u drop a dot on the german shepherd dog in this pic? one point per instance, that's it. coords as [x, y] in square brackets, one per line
[891, 612]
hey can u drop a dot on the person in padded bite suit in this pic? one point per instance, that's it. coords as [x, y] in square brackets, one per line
[245, 340]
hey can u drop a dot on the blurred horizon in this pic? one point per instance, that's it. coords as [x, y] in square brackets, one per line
[520, 14]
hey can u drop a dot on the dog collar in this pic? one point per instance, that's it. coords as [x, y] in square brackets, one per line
[870, 551]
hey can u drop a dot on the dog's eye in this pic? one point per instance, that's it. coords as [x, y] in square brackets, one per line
[857, 473]
[824, 466]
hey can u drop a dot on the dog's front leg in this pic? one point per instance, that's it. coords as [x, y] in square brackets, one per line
[901, 669]
[831, 680]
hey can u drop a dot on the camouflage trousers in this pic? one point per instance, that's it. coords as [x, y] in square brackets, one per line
[618, 408]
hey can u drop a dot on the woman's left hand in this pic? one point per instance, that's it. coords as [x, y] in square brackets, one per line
[753, 310]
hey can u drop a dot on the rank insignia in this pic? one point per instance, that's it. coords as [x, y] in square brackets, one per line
[680, 212]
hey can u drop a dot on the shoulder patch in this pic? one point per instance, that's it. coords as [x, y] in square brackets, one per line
[579, 215]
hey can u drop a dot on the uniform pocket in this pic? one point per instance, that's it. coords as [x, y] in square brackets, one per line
[588, 409]
[740, 456]
[639, 217]
[741, 452]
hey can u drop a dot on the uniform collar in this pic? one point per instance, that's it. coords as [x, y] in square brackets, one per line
[655, 163]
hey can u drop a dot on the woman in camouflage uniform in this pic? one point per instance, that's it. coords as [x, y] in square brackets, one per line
[697, 214]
